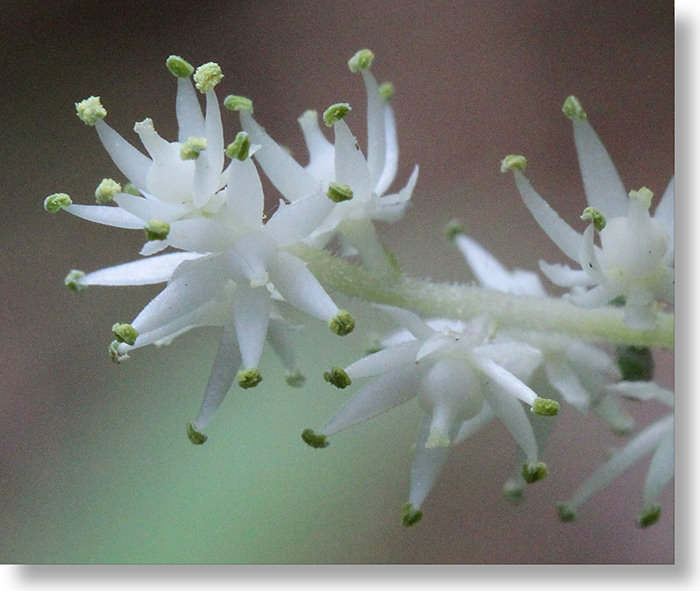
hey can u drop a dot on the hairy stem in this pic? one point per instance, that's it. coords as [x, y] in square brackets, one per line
[466, 302]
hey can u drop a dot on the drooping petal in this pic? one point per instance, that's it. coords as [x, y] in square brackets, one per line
[505, 380]
[223, 372]
[661, 468]
[511, 413]
[565, 276]
[279, 335]
[387, 391]
[141, 272]
[472, 426]
[639, 446]
[426, 467]
[568, 385]
[297, 285]
[390, 208]
[251, 311]
[133, 164]
[563, 235]
[295, 221]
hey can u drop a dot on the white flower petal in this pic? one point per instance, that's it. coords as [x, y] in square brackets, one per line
[639, 446]
[665, 212]
[376, 131]
[568, 385]
[286, 174]
[426, 467]
[223, 372]
[410, 321]
[199, 235]
[390, 208]
[321, 152]
[565, 276]
[384, 360]
[505, 380]
[300, 288]
[293, 222]
[391, 159]
[563, 235]
[601, 181]
[244, 194]
[133, 164]
[472, 426]
[251, 310]
[661, 468]
[389, 390]
[141, 272]
[106, 215]
[350, 164]
[151, 209]
[190, 120]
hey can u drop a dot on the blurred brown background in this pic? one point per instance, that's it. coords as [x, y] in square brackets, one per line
[475, 80]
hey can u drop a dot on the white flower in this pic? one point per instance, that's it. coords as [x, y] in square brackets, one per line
[459, 377]
[355, 183]
[656, 440]
[232, 266]
[575, 369]
[634, 261]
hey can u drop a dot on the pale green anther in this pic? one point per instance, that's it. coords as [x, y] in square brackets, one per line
[238, 103]
[179, 67]
[513, 162]
[248, 378]
[195, 436]
[239, 148]
[361, 60]
[649, 516]
[125, 333]
[157, 230]
[131, 189]
[338, 377]
[115, 354]
[545, 407]
[572, 108]
[534, 472]
[591, 214]
[296, 379]
[106, 190]
[313, 440]
[341, 324]
[409, 515]
[207, 76]
[566, 513]
[643, 196]
[191, 149]
[73, 280]
[453, 229]
[386, 91]
[90, 110]
[335, 113]
[56, 202]
[337, 192]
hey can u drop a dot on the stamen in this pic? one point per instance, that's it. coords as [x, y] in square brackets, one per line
[342, 324]
[239, 148]
[313, 440]
[90, 110]
[591, 214]
[106, 190]
[513, 162]
[125, 333]
[238, 103]
[335, 113]
[362, 60]
[207, 76]
[572, 108]
[179, 67]
[338, 377]
[56, 202]
[338, 192]
[248, 378]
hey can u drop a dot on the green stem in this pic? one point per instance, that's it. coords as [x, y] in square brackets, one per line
[545, 314]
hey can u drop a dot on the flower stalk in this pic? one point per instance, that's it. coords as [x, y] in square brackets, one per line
[464, 302]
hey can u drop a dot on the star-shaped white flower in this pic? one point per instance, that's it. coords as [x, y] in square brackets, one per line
[231, 266]
[356, 183]
[634, 262]
[459, 376]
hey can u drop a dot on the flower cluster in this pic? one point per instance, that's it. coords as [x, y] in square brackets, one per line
[200, 204]
[228, 266]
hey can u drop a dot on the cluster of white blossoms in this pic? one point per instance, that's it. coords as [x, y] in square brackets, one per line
[200, 204]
